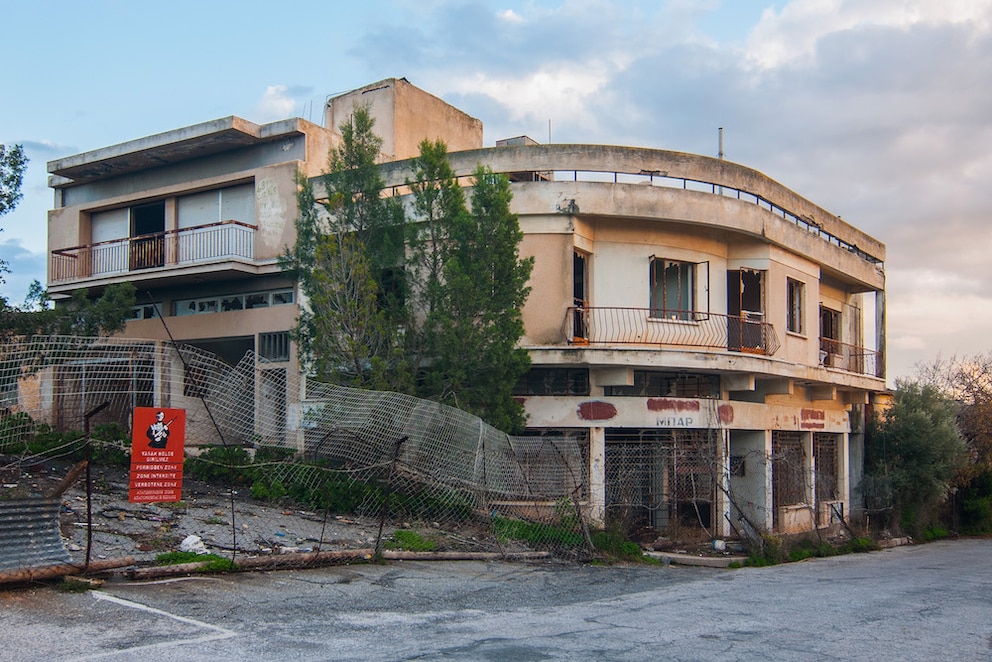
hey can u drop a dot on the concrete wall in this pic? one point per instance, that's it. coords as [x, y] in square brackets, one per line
[404, 116]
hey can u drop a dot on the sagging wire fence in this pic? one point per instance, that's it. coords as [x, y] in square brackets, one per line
[285, 471]
[279, 470]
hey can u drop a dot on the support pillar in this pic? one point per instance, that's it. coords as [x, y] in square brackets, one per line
[597, 477]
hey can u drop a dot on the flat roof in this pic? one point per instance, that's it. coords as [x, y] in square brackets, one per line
[195, 141]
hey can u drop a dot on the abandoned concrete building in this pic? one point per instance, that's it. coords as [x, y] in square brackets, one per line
[702, 330]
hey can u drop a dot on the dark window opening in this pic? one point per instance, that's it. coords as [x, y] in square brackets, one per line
[148, 230]
[672, 289]
[553, 381]
[274, 346]
[668, 384]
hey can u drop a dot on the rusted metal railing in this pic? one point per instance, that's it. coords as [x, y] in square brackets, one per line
[852, 358]
[200, 244]
[681, 328]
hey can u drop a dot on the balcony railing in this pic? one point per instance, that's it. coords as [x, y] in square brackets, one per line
[680, 328]
[196, 245]
[835, 354]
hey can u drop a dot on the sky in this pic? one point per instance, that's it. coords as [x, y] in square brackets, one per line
[880, 111]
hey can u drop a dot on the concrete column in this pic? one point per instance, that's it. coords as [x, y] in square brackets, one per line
[809, 469]
[597, 477]
[721, 507]
[880, 317]
[769, 502]
[843, 471]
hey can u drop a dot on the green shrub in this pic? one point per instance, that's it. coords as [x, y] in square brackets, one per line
[936, 533]
[771, 553]
[615, 544]
[410, 541]
[858, 545]
[535, 532]
[214, 562]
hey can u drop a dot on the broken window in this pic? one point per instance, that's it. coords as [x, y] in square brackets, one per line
[672, 289]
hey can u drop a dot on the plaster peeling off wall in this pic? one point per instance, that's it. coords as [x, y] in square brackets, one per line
[272, 213]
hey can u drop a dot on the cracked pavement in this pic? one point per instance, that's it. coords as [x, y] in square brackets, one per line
[911, 603]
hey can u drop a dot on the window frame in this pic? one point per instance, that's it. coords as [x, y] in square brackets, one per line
[795, 306]
[684, 305]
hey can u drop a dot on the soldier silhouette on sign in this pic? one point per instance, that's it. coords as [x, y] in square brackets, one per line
[158, 432]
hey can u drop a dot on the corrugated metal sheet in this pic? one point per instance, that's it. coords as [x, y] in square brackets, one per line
[29, 534]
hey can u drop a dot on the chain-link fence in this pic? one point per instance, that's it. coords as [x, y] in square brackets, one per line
[277, 467]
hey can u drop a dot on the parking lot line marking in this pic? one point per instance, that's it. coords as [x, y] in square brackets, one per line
[217, 631]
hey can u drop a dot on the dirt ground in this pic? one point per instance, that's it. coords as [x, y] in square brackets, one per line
[117, 528]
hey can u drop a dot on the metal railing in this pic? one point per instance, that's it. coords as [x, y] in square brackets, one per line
[679, 328]
[638, 175]
[851, 358]
[196, 245]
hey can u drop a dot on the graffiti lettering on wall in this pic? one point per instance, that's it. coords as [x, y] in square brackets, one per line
[676, 422]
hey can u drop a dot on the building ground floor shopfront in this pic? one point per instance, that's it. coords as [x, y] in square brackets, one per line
[688, 468]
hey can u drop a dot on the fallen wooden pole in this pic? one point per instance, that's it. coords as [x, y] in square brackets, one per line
[51, 571]
[311, 559]
[401, 555]
[296, 559]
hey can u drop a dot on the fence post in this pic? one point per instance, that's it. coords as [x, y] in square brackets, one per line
[389, 491]
[89, 476]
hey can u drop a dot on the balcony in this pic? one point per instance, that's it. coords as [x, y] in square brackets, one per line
[676, 328]
[203, 244]
[851, 358]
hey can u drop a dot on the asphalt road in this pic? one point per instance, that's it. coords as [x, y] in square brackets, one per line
[929, 602]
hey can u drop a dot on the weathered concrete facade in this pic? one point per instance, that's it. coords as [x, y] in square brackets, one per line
[691, 320]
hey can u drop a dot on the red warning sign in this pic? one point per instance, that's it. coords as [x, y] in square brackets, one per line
[157, 441]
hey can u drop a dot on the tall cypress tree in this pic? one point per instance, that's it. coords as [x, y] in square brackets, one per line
[348, 249]
[478, 360]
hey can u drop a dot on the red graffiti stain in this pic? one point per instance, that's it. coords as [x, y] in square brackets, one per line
[813, 415]
[667, 404]
[812, 425]
[596, 411]
[726, 413]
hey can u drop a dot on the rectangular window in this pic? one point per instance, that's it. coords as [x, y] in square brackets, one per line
[553, 381]
[795, 294]
[282, 297]
[144, 312]
[274, 346]
[672, 289]
[234, 302]
[652, 384]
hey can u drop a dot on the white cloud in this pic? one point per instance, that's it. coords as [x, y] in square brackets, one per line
[791, 35]
[510, 16]
[559, 92]
[275, 104]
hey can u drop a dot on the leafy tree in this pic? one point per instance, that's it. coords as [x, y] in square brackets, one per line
[912, 456]
[432, 307]
[478, 361]
[969, 382]
[78, 316]
[438, 206]
[348, 243]
[13, 163]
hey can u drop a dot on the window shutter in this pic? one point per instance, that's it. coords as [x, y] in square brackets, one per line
[198, 209]
[109, 225]
[238, 204]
